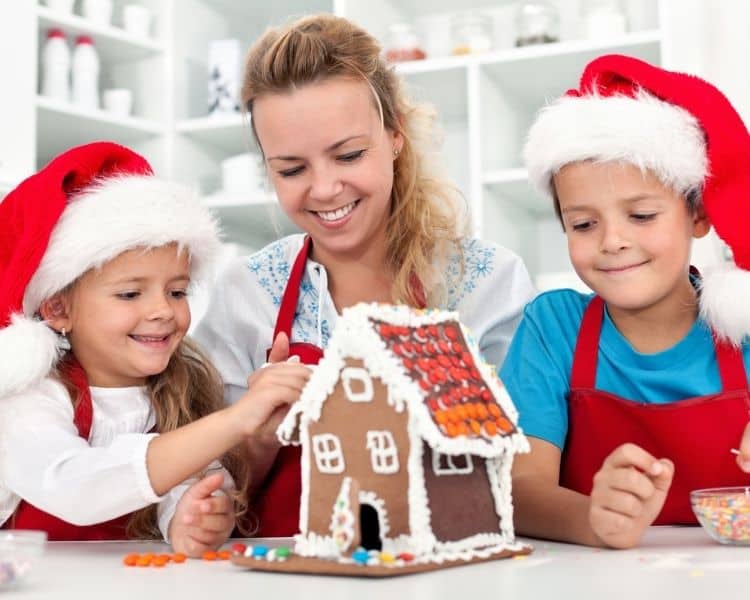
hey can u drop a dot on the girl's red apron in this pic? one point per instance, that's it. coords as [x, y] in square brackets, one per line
[277, 501]
[28, 516]
[696, 433]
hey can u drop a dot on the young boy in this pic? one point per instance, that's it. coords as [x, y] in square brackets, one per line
[637, 394]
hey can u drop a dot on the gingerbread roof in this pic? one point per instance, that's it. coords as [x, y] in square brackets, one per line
[432, 366]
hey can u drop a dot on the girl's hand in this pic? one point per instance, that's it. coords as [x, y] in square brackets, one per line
[743, 458]
[202, 521]
[628, 494]
[271, 390]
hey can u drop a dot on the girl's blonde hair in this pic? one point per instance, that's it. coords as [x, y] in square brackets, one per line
[188, 389]
[426, 217]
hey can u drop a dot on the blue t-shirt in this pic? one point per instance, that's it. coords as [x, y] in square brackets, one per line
[537, 368]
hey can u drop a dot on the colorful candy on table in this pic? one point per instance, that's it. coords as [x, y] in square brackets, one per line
[725, 515]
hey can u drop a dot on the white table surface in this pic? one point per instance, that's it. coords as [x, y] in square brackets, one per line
[670, 563]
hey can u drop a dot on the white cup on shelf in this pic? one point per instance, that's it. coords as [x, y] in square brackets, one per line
[97, 11]
[63, 6]
[118, 101]
[136, 20]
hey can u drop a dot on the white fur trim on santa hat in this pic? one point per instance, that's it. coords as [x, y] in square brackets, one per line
[120, 214]
[644, 131]
[723, 301]
[28, 351]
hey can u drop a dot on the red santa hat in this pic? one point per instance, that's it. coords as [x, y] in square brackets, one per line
[84, 208]
[679, 127]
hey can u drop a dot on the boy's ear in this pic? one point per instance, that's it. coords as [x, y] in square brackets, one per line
[701, 224]
[56, 313]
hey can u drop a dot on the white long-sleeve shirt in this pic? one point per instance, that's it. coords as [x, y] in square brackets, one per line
[44, 461]
[489, 294]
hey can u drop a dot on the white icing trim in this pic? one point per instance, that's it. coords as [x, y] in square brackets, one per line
[371, 498]
[422, 537]
[383, 452]
[451, 468]
[329, 458]
[360, 374]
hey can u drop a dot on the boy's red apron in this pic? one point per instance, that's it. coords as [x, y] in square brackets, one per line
[277, 501]
[28, 516]
[696, 434]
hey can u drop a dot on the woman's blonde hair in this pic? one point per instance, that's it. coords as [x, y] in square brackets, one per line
[188, 389]
[426, 215]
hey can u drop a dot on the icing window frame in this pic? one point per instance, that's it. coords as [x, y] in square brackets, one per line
[383, 452]
[329, 457]
[359, 374]
[449, 467]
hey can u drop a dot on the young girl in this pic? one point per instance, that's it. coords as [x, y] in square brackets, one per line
[347, 155]
[635, 396]
[105, 408]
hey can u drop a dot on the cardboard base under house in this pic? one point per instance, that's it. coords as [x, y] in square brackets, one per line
[306, 565]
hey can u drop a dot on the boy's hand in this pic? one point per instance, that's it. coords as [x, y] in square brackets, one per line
[201, 521]
[743, 458]
[628, 494]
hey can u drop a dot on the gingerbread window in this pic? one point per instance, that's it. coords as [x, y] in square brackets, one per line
[445, 464]
[357, 384]
[383, 452]
[328, 455]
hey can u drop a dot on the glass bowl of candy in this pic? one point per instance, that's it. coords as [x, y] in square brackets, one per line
[19, 552]
[724, 513]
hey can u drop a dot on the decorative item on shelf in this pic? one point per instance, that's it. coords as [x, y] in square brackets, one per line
[538, 23]
[471, 33]
[56, 66]
[223, 77]
[97, 11]
[403, 44]
[85, 74]
[136, 20]
[604, 19]
[118, 101]
[63, 6]
[242, 175]
[434, 33]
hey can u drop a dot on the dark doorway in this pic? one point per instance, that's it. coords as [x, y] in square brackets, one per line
[369, 528]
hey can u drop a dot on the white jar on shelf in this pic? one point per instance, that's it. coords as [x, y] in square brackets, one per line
[56, 66]
[97, 11]
[85, 74]
[605, 19]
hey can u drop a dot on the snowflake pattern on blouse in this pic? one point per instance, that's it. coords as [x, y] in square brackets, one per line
[271, 268]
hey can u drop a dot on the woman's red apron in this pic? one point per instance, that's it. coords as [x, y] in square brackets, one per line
[277, 501]
[28, 516]
[696, 434]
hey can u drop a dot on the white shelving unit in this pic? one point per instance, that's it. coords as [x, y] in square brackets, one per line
[485, 103]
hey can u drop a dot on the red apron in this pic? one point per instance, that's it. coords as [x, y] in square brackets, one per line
[277, 501]
[28, 516]
[696, 433]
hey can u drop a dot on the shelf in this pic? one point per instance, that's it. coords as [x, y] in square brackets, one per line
[250, 224]
[513, 186]
[60, 126]
[113, 44]
[225, 200]
[561, 63]
[231, 134]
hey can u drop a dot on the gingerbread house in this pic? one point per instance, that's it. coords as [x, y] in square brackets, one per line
[407, 439]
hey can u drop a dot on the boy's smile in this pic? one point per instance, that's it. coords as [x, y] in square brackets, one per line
[629, 237]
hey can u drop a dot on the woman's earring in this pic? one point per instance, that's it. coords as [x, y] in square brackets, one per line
[64, 343]
[395, 152]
